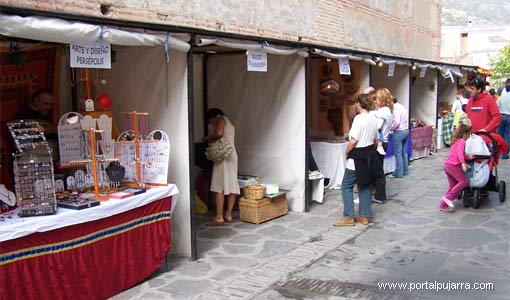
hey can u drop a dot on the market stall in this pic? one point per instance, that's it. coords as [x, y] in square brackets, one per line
[398, 84]
[265, 108]
[106, 198]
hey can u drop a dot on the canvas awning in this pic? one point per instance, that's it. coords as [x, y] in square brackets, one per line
[66, 32]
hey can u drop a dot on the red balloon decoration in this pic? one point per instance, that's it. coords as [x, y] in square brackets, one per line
[104, 101]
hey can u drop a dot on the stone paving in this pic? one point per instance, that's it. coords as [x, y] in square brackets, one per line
[301, 256]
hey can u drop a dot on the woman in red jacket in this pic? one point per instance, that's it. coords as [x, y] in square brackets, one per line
[481, 109]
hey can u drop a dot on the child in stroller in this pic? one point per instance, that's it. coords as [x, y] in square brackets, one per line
[483, 172]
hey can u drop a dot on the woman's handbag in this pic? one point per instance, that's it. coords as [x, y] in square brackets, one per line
[219, 150]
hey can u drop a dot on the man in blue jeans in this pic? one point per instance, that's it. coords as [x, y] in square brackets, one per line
[400, 129]
[504, 108]
[363, 134]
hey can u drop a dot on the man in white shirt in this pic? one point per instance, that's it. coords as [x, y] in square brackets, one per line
[363, 134]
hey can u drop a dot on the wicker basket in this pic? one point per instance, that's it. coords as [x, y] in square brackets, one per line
[254, 192]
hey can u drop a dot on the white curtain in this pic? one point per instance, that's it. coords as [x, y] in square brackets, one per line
[268, 112]
[141, 80]
[424, 98]
[398, 84]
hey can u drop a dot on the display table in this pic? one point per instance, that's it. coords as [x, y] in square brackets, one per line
[90, 254]
[421, 141]
[330, 159]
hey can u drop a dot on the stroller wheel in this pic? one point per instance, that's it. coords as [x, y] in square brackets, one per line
[476, 199]
[502, 191]
[465, 198]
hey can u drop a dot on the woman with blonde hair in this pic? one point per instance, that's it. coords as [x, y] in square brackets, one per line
[384, 118]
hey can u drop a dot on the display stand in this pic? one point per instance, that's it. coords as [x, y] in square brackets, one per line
[94, 159]
[33, 170]
[69, 130]
[144, 156]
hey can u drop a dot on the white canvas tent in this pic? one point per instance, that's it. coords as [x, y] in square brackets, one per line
[424, 97]
[140, 79]
[398, 84]
[268, 112]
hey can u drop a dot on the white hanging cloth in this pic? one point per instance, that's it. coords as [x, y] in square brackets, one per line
[204, 41]
[66, 32]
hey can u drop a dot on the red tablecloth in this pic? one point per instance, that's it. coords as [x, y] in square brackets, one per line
[93, 260]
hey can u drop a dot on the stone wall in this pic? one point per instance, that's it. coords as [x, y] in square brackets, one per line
[399, 27]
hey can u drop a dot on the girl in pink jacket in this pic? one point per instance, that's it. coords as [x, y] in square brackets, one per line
[455, 166]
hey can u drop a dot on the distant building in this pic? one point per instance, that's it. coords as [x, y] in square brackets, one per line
[472, 45]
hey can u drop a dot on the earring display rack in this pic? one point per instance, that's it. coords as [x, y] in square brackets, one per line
[154, 157]
[69, 130]
[144, 156]
[33, 170]
[94, 161]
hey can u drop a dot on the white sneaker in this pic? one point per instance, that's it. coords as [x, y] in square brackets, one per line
[356, 200]
[449, 202]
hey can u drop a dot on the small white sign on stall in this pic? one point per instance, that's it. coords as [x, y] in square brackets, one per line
[257, 61]
[391, 70]
[96, 56]
[345, 68]
[423, 71]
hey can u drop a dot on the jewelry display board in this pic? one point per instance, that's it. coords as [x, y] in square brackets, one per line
[33, 170]
[69, 131]
[154, 157]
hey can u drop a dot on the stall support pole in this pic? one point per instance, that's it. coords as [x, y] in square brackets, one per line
[437, 100]
[370, 75]
[191, 145]
[205, 103]
[74, 90]
[307, 136]
[410, 109]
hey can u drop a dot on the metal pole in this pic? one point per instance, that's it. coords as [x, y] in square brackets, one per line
[191, 145]
[307, 135]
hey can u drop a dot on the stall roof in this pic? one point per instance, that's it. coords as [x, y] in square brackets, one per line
[66, 32]
[221, 34]
[249, 45]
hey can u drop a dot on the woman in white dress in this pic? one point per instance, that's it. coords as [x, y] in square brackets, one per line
[224, 177]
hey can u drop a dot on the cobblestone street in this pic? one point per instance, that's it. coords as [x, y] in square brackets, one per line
[302, 256]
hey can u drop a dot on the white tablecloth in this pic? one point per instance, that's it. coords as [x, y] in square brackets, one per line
[330, 158]
[18, 227]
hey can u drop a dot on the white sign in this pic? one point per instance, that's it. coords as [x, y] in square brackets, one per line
[257, 61]
[391, 70]
[90, 56]
[343, 65]
[423, 71]
[89, 105]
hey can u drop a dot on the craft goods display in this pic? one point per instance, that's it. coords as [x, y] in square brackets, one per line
[145, 157]
[33, 170]
[97, 165]
[69, 131]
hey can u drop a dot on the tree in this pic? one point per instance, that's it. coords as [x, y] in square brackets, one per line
[500, 64]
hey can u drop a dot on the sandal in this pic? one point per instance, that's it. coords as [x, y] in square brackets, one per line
[214, 222]
[228, 220]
